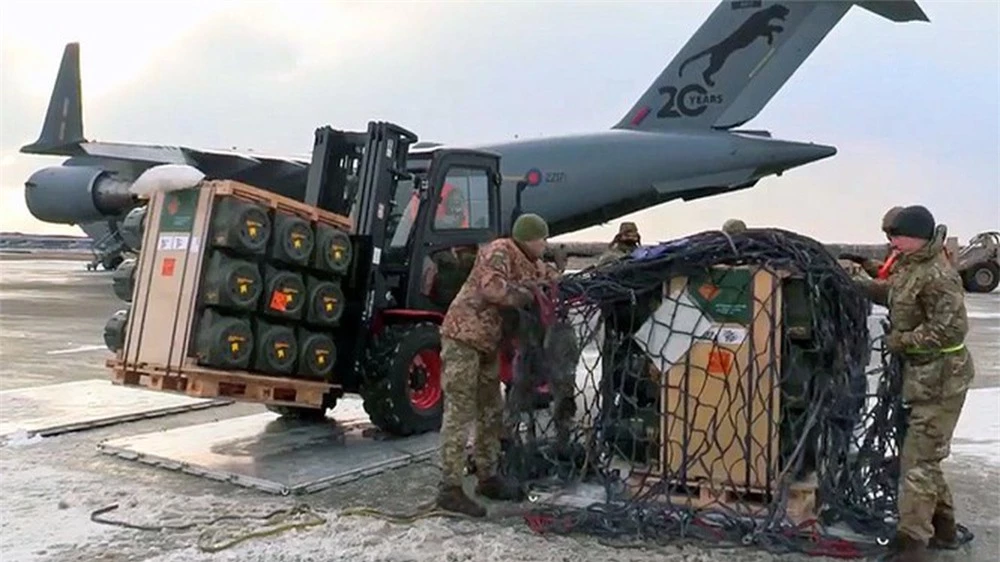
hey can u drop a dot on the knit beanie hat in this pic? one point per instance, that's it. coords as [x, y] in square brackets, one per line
[530, 227]
[887, 218]
[914, 221]
[733, 226]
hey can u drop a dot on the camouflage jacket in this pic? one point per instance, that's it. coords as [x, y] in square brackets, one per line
[926, 304]
[614, 252]
[474, 316]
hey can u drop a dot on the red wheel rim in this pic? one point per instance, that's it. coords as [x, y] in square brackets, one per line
[425, 379]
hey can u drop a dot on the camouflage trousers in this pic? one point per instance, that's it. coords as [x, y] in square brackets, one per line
[928, 441]
[471, 385]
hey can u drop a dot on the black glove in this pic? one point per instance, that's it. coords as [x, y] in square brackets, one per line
[522, 297]
[853, 258]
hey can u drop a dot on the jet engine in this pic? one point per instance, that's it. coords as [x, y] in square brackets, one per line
[76, 194]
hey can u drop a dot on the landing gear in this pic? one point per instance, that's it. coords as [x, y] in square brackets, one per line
[402, 389]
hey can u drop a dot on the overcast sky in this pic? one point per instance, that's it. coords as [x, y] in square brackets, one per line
[912, 108]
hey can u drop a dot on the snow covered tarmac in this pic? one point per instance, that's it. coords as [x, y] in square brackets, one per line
[49, 486]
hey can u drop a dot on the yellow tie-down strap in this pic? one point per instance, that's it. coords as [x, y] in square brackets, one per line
[952, 349]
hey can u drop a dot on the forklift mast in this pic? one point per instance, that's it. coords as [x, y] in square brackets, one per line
[395, 234]
[356, 174]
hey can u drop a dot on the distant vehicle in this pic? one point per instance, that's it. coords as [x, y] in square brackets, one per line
[682, 139]
[979, 262]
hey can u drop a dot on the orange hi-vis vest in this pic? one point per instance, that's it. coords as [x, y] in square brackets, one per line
[442, 208]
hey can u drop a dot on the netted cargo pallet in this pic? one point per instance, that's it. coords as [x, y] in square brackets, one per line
[738, 373]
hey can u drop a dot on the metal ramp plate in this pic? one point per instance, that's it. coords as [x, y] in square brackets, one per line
[278, 455]
[61, 408]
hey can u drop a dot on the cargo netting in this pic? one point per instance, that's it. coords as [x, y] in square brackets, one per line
[722, 388]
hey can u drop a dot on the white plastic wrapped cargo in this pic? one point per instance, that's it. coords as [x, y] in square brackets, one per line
[166, 178]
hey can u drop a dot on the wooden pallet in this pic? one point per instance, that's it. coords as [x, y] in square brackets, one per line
[200, 382]
[800, 504]
[280, 203]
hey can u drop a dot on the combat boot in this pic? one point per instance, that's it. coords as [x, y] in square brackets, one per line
[496, 488]
[453, 498]
[945, 535]
[907, 549]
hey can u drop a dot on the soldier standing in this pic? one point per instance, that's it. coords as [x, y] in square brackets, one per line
[471, 336]
[623, 244]
[926, 304]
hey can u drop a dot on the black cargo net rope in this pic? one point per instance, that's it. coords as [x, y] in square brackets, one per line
[677, 440]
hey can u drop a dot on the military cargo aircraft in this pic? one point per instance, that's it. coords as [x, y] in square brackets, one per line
[680, 139]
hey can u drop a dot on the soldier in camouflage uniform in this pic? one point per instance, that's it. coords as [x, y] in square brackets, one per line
[926, 304]
[471, 336]
[623, 244]
[734, 226]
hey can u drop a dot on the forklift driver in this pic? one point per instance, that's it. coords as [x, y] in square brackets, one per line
[452, 211]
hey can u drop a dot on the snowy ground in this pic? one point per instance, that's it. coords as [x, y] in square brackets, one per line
[50, 486]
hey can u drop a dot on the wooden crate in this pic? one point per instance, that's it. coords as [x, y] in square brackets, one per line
[200, 382]
[718, 373]
[165, 312]
[277, 202]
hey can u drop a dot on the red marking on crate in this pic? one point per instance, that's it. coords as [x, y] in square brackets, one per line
[720, 361]
[167, 270]
[708, 291]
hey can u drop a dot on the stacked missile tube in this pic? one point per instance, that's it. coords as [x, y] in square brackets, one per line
[269, 294]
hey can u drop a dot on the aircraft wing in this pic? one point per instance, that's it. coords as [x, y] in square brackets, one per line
[213, 162]
[62, 135]
[165, 154]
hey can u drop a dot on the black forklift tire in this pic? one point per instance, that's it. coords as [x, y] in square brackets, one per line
[386, 389]
[982, 278]
[305, 414]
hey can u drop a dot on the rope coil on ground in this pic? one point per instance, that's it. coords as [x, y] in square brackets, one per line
[215, 540]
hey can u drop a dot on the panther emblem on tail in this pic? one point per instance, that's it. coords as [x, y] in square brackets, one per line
[757, 25]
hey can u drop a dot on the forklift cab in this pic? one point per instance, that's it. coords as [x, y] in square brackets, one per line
[440, 216]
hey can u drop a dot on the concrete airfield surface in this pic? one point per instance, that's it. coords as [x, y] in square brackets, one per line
[52, 315]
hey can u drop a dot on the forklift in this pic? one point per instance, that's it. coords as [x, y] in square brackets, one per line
[404, 236]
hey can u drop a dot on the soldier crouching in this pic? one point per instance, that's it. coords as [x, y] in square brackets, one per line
[471, 337]
[927, 312]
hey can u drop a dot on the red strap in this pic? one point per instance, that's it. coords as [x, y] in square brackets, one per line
[546, 306]
[883, 272]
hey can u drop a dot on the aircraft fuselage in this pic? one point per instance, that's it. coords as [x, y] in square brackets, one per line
[579, 181]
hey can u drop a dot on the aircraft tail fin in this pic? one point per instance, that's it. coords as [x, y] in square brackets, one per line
[62, 131]
[740, 57]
